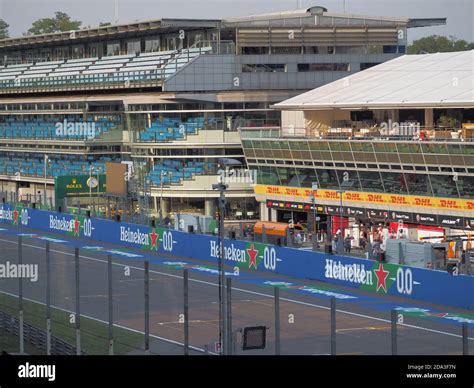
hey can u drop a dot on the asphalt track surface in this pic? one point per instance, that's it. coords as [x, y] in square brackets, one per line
[363, 319]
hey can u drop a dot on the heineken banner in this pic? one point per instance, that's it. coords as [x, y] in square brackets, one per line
[372, 276]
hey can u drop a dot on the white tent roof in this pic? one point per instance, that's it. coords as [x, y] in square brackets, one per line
[428, 80]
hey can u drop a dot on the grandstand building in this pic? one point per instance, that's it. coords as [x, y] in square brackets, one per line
[169, 96]
[392, 143]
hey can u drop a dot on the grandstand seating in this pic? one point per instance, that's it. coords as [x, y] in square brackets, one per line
[175, 171]
[166, 129]
[33, 164]
[111, 69]
[45, 128]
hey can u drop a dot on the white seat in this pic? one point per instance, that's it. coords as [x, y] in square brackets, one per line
[63, 74]
[82, 60]
[28, 72]
[146, 59]
[9, 73]
[113, 57]
[32, 76]
[21, 65]
[141, 68]
[68, 69]
[112, 61]
[49, 63]
[43, 67]
[75, 64]
[98, 67]
[140, 64]
[104, 71]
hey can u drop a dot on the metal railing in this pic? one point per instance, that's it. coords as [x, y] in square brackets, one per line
[10, 325]
[121, 79]
[424, 134]
[323, 328]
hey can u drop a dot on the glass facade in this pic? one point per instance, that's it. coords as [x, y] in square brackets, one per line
[439, 169]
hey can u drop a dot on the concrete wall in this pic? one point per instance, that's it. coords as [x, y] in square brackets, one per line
[293, 123]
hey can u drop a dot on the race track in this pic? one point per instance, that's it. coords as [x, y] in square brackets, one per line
[363, 319]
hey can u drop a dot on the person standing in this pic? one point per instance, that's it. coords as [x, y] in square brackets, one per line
[347, 244]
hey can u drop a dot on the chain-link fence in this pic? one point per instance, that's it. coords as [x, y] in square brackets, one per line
[55, 299]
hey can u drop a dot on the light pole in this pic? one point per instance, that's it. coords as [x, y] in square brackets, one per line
[340, 244]
[91, 167]
[312, 196]
[222, 310]
[98, 192]
[224, 340]
[162, 174]
[45, 175]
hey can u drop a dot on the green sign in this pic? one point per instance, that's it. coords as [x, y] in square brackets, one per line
[78, 186]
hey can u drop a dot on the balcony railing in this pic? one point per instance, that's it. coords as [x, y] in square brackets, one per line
[435, 134]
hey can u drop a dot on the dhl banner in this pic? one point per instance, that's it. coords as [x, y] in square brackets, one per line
[368, 198]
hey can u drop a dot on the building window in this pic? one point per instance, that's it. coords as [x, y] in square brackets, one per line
[306, 67]
[78, 52]
[264, 68]
[171, 43]
[113, 48]
[152, 45]
[133, 47]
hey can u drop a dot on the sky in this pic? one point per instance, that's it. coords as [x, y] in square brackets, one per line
[20, 14]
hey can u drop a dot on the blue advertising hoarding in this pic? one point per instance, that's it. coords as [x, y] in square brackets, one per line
[381, 278]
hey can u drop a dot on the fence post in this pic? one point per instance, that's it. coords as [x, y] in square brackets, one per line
[20, 296]
[48, 300]
[229, 316]
[78, 304]
[111, 305]
[393, 317]
[277, 320]
[333, 326]
[186, 312]
[465, 339]
[147, 307]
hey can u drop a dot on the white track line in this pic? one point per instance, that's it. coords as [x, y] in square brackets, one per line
[115, 324]
[251, 292]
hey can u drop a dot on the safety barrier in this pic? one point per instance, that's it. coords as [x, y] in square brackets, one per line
[372, 276]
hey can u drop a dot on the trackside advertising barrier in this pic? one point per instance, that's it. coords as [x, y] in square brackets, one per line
[422, 284]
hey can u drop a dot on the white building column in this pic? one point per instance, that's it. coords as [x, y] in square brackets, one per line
[273, 215]
[429, 118]
[165, 207]
[263, 211]
[210, 207]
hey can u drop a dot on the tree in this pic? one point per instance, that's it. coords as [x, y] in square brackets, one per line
[60, 22]
[4, 29]
[105, 24]
[439, 44]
